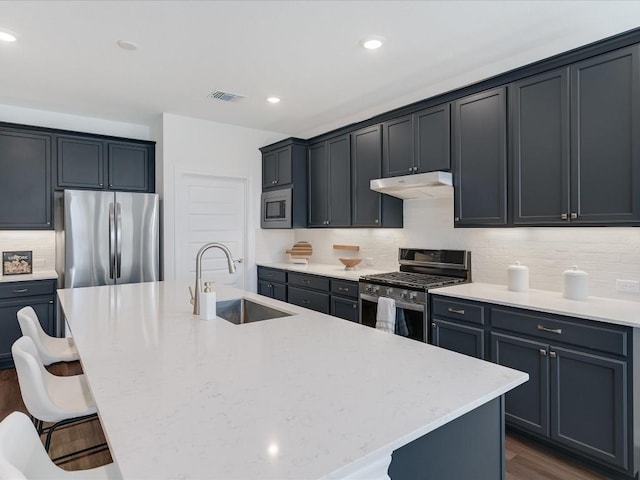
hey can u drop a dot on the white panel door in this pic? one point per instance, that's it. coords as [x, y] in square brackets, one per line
[210, 209]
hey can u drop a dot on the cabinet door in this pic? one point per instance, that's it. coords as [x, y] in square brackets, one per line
[540, 149]
[284, 166]
[432, 139]
[264, 288]
[339, 186]
[279, 291]
[318, 185]
[480, 159]
[457, 337]
[10, 329]
[589, 404]
[526, 406]
[344, 308]
[397, 147]
[605, 144]
[366, 164]
[129, 167]
[80, 163]
[269, 169]
[25, 181]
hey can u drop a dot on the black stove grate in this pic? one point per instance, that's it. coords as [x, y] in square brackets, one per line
[413, 280]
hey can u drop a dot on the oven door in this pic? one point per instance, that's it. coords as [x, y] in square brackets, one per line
[415, 315]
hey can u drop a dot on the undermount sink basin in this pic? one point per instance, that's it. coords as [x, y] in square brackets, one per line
[242, 310]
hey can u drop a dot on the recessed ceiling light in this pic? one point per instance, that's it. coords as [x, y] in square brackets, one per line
[127, 45]
[6, 36]
[273, 100]
[372, 42]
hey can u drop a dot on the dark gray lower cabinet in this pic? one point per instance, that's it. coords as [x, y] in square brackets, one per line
[588, 404]
[313, 300]
[458, 337]
[345, 308]
[272, 290]
[526, 406]
[16, 295]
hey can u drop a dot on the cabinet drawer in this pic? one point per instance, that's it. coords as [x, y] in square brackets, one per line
[554, 329]
[309, 281]
[306, 298]
[459, 310]
[344, 308]
[27, 289]
[272, 274]
[345, 289]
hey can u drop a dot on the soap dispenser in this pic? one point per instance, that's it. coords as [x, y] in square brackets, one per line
[208, 303]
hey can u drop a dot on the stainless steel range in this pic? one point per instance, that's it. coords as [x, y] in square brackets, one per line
[420, 271]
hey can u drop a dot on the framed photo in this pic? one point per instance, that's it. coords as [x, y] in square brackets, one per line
[17, 263]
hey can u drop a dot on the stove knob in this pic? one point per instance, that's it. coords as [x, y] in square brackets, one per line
[404, 294]
[413, 296]
[367, 288]
[376, 289]
[389, 291]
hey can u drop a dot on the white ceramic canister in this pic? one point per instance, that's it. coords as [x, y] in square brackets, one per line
[576, 284]
[518, 278]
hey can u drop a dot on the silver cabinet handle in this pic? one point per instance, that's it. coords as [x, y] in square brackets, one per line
[433, 324]
[550, 330]
[457, 219]
[543, 352]
[453, 310]
[342, 289]
[376, 221]
[355, 305]
[552, 354]
[306, 282]
[574, 215]
[21, 290]
[564, 216]
[306, 302]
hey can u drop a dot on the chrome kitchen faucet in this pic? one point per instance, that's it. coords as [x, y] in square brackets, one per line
[195, 296]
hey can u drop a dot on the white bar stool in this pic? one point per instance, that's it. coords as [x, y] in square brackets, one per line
[51, 349]
[22, 455]
[49, 398]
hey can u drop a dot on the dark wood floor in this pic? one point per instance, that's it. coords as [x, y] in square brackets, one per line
[525, 460]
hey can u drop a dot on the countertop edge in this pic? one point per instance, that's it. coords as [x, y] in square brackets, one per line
[38, 275]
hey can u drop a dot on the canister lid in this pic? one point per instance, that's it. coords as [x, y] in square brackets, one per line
[517, 266]
[573, 271]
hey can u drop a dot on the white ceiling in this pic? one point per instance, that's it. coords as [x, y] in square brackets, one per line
[306, 52]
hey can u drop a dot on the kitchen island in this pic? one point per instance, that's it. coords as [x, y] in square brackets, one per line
[299, 397]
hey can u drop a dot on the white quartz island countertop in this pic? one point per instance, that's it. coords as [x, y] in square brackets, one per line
[300, 397]
[600, 309]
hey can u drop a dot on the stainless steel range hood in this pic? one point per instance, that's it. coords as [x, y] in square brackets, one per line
[420, 185]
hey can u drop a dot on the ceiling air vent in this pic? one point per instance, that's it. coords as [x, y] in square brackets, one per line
[226, 96]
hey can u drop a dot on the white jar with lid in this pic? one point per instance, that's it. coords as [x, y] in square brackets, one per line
[576, 284]
[518, 278]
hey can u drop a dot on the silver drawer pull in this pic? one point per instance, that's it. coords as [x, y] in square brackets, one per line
[543, 352]
[306, 282]
[306, 302]
[341, 289]
[21, 290]
[453, 310]
[552, 354]
[550, 330]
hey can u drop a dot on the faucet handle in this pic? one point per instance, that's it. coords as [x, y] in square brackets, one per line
[193, 300]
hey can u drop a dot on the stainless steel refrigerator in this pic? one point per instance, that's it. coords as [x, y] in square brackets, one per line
[110, 238]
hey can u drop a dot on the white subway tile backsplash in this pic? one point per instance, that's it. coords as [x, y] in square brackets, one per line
[41, 242]
[606, 253]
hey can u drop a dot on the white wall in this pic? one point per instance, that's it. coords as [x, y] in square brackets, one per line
[201, 146]
[606, 253]
[63, 121]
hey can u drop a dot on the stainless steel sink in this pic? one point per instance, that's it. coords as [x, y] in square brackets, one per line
[242, 310]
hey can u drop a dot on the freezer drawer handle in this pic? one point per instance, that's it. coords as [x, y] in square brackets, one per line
[550, 330]
[21, 290]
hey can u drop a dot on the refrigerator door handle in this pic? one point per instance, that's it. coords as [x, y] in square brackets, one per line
[112, 240]
[118, 240]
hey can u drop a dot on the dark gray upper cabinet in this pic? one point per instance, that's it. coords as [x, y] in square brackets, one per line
[80, 162]
[432, 139]
[480, 159]
[330, 183]
[130, 167]
[370, 209]
[417, 143]
[97, 164]
[539, 120]
[397, 147]
[25, 181]
[605, 139]
[277, 166]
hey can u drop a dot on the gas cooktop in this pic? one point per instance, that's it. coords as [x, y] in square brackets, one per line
[411, 280]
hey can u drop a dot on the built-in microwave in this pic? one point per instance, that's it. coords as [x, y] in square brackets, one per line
[276, 209]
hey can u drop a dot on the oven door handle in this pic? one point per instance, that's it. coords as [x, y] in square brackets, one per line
[417, 307]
